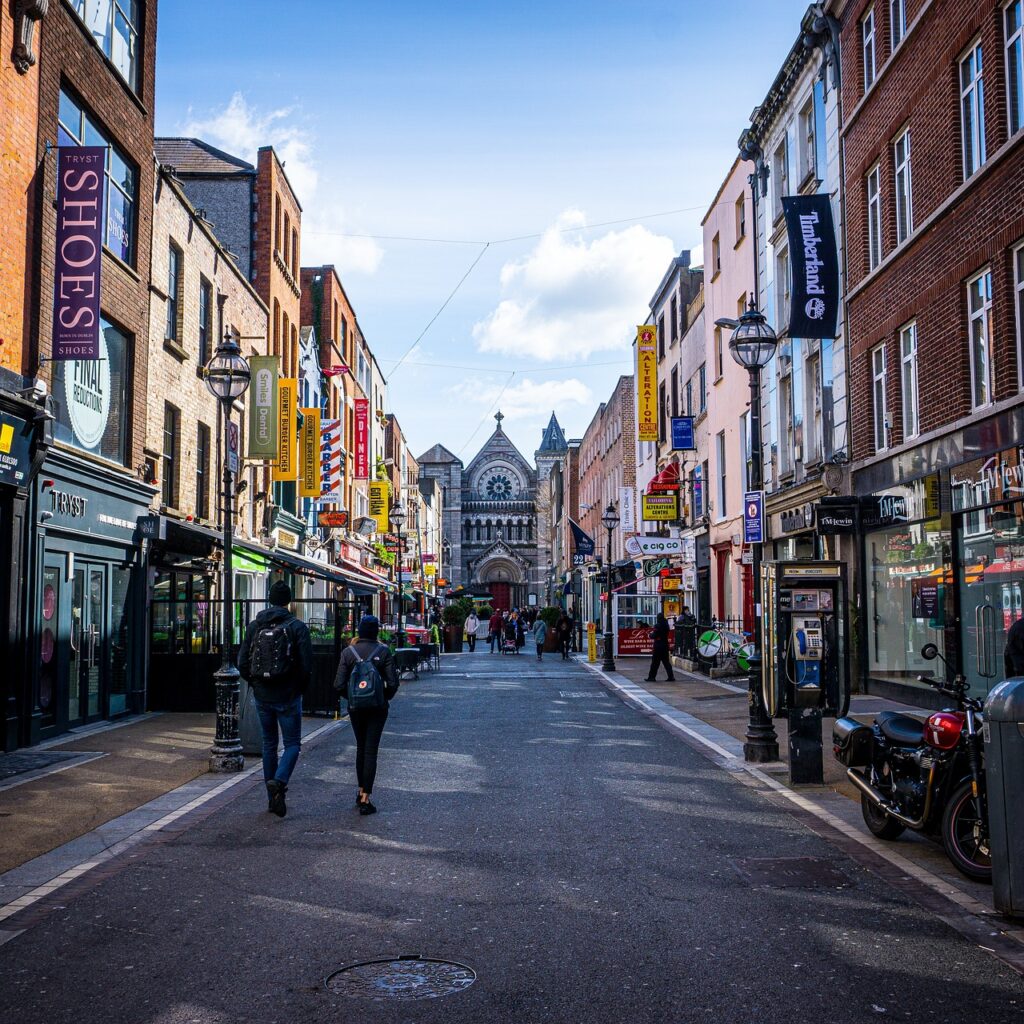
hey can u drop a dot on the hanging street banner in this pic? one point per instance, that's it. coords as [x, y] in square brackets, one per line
[627, 509]
[814, 308]
[682, 434]
[647, 382]
[330, 460]
[79, 247]
[753, 517]
[263, 408]
[362, 439]
[379, 504]
[658, 508]
[309, 454]
[286, 466]
[582, 542]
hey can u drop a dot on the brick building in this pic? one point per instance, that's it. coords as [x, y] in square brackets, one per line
[933, 101]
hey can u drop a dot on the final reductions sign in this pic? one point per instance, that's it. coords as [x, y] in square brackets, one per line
[815, 261]
[76, 278]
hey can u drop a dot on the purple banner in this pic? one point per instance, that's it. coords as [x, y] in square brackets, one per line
[76, 277]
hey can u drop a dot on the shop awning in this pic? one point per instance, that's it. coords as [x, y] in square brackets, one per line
[365, 580]
[666, 480]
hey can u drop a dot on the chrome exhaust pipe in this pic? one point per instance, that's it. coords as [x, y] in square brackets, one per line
[880, 801]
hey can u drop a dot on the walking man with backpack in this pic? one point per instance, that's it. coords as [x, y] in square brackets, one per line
[276, 657]
[368, 678]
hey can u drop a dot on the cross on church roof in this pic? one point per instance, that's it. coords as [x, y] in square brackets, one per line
[498, 416]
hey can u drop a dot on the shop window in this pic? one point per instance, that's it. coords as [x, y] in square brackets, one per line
[901, 177]
[1018, 291]
[972, 110]
[897, 22]
[90, 393]
[979, 306]
[76, 128]
[867, 48]
[169, 461]
[879, 401]
[874, 218]
[1014, 24]
[908, 380]
[114, 25]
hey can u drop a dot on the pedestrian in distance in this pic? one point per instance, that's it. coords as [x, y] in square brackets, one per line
[276, 657]
[472, 625]
[520, 632]
[368, 678]
[686, 633]
[563, 629]
[660, 654]
[540, 634]
[494, 630]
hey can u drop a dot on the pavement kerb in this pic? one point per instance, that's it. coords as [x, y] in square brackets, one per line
[1007, 940]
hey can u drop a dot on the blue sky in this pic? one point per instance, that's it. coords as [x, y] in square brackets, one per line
[474, 123]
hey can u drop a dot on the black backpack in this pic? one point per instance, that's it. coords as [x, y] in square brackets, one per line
[272, 656]
[365, 685]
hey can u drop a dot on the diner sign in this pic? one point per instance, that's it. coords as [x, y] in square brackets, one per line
[647, 382]
[814, 307]
[362, 452]
[79, 248]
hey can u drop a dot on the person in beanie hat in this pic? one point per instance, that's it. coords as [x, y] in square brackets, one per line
[367, 723]
[276, 657]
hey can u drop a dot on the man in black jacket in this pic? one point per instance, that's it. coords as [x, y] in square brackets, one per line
[278, 696]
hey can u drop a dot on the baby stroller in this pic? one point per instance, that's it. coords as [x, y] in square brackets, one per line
[508, 644]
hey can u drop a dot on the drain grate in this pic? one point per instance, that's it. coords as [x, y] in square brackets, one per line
[581, 695]
[404, 977]
[790, 872]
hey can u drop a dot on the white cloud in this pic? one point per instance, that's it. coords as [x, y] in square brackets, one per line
[327, 227]
[526, 400]
[570, 297]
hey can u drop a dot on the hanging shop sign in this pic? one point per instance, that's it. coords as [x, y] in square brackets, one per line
[233, 446]
[76, 277]
[636, 641]
[309, 454]
[837, 515]
[362, 439]
[379, 504]
[814, 308]
[87, 394]
[647, 382]
[263, 407]
[753, 517]
[654, 546]
[682, 434]
[286, 465]
[671, 584]
[583, 543]
[653, 566]
[330, 460]
[627, 509]
[660, 507]
[430, 569]
[332, 520]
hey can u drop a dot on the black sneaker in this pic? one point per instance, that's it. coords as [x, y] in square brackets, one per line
[276, 790]
[366, 807]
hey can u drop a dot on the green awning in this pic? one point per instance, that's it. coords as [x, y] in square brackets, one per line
[248, 561]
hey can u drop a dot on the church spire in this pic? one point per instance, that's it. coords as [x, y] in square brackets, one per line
[553, 439]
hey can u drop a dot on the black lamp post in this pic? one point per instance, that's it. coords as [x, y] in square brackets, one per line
[227, 377]
[397, 518]
[609, 520]
[753, 345]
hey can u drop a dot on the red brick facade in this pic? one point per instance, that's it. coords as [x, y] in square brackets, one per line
[959, 227]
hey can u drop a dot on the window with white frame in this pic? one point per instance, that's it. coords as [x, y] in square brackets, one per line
[897, 22]
[979, 308]
[114, 25]
[972, 110]
[874, 218]
[780, 177]
[782, 285]
[786, 452]
[807, 147]
[812, 422]
[720, 455]
[1013, 16]
[881, 411]
[902, 179]
[908, 380]
[867, 47]
[746, 453]
[1018, 292]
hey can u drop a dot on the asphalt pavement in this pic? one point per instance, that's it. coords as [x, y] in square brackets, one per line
[582, 860]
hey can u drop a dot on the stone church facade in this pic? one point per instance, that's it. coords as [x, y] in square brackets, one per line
[495, 516]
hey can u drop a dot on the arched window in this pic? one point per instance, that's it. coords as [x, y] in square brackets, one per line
[529, 530]
[295, 253]
[277, 222]
[468, 531]
[488, 529]
[277, 329]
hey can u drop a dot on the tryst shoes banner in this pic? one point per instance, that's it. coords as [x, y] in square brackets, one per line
[812, 245]
[379, 504]
[286, 466]
[76, 272]
[362, 452]
[309, 454]
[263, 408]
[647, 382]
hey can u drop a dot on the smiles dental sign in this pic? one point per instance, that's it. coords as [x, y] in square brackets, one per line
[78, 258]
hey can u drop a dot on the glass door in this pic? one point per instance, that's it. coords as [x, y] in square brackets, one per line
[88, 644]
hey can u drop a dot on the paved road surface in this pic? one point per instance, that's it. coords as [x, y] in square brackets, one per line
[574, 853]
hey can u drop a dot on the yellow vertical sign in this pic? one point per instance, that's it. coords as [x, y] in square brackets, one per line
[286, 466]
[379, 504]
[647, 382]
[309, 454]
[592, 642]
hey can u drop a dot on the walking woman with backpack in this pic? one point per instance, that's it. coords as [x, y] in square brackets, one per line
[368, 678]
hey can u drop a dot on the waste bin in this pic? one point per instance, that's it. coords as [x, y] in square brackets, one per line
[1004, 774]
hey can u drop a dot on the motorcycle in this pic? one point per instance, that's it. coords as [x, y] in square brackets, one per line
[926, 776]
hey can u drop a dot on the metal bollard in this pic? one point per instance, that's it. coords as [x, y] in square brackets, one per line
[1004, 779]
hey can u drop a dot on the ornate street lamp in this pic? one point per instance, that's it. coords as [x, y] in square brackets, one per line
[397, 519]
[227, 377]
[753, 344]
[609, 520]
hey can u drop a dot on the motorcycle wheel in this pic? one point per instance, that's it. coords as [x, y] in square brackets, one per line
[964, 837]
[878, 822]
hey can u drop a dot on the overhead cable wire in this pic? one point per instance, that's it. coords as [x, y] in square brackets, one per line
[487, 414]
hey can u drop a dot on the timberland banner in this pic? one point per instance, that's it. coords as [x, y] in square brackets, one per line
[79, 247]
[647, 382]
[814, 309]
[263, 408]
[286, 466]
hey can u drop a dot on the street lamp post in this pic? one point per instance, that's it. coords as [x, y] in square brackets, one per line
[753, 345]
[227, 378]
[397, 518]
[609, 520]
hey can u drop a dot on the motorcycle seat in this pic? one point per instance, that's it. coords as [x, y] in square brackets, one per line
[901, 729]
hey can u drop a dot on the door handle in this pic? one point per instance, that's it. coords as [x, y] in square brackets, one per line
[76, 646]
[985, 616]
[93, 635]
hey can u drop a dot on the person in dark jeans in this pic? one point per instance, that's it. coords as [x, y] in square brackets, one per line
[279, 699]
[660, 654]
[686, 634]
[367, 723]
[564, 630]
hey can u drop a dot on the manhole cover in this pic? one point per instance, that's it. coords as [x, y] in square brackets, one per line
[407, 977]
[581, 695]
[790, 872]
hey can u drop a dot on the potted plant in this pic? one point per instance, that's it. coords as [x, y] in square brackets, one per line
[454, 618]
[550, 615]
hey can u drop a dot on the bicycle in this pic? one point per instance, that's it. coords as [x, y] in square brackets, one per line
[719, 640]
